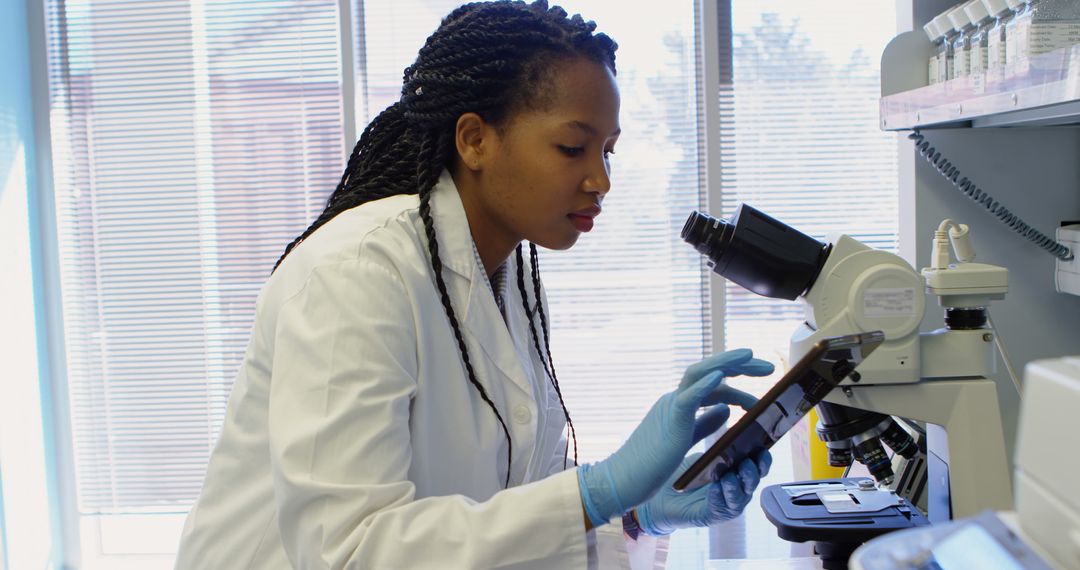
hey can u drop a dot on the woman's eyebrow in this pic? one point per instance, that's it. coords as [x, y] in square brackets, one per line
[589, 128]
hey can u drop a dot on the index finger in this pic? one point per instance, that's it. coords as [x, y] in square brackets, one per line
[752, 367]
[724, 394]
[718, 361]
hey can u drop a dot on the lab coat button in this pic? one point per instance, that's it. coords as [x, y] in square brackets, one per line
[522, 415]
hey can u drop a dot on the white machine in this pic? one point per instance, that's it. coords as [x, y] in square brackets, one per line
[938, 377]
[1044, 530]
[1047, 502]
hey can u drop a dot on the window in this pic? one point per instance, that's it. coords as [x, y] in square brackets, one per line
[194, 139]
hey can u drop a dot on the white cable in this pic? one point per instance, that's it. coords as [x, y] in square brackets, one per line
[1004, 355]
[939, 252]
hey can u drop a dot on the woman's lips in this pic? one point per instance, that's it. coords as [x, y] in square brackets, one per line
[583, 223]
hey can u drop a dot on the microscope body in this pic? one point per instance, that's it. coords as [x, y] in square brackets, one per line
[864, 289]
[937, 377]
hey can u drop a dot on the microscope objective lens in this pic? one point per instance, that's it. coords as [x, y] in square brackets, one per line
[870, 453]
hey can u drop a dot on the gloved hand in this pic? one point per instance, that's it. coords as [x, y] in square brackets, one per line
[656, 447]
[716, 502]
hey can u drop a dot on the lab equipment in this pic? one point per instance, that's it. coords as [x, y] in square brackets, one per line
[1044, 529]
[857, 435]
[828, 363]
[978, 41]
[1042, 26]
[1015, 35]
[961, 41]
[660, 442]
[669, 510]
[945, 52]
[997, 42]
[982, 541]
[1067, 273]
[937, 377]
[937, 41]
[837, 515]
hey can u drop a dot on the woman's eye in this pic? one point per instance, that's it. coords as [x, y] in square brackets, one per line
[571, 150]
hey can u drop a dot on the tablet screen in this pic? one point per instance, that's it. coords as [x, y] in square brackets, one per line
[803, 387]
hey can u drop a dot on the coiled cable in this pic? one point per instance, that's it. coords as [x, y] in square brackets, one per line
[952, 174]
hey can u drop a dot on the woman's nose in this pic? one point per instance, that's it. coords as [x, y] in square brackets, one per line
[599, 179]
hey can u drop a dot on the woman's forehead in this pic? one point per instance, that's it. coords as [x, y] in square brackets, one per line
[583, 96]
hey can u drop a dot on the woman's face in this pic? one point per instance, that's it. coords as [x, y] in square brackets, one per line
[544, 175]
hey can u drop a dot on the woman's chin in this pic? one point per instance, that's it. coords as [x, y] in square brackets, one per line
[559, 243]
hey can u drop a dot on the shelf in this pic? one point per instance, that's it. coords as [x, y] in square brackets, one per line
[1041, 91]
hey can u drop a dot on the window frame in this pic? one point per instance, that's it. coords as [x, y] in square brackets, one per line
[44, 237]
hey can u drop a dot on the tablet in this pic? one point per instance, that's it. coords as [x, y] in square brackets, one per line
[803, 387]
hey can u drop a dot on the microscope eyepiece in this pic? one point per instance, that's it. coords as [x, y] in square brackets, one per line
[757, 252]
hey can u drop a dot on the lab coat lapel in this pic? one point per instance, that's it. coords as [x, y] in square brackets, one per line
[470, 292]
[517, 320]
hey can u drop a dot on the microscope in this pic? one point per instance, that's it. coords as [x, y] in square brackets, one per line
[936, 382]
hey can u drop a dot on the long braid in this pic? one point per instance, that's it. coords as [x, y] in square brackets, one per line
[490, 58]
[427, 177]
[534, 261]
[549, 364]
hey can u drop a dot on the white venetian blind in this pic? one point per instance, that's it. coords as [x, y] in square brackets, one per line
[192, 140]
[800, 138]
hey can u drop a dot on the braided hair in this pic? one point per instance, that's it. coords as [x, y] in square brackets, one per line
[490, 58]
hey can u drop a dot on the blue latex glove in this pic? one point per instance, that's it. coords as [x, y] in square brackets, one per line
[716, 502]
[742, 363]
[656, 447]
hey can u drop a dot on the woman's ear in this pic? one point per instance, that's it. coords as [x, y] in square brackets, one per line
[471, 136]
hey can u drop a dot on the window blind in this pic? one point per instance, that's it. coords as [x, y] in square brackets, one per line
[192, 141]
[799, 137]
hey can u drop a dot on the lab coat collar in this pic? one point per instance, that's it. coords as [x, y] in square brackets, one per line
[503, 345]
[452, 228]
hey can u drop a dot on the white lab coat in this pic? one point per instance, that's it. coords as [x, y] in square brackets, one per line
[353, 438]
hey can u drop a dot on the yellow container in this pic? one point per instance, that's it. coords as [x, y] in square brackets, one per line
[819, 454]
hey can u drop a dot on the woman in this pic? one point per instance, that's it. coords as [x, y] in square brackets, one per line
[396, 407]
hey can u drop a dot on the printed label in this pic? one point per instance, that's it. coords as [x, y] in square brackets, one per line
[898, 302]
[995, 51]
[1043, 37]
[978, 59]
[1028, 39]
[963, 63]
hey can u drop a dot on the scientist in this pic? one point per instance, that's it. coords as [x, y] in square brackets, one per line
[398, 406]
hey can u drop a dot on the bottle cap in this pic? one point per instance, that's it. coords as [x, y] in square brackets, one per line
[943, 24]
[932, 31]
[976, 11]
[958, 18]
[995, 7]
